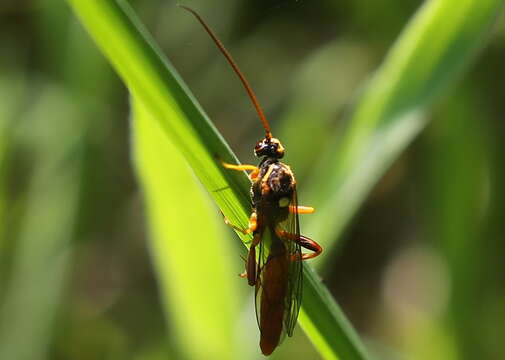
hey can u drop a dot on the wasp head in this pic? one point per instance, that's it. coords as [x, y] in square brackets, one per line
[269, 147]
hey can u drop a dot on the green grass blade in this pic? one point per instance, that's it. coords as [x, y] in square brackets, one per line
[43, 250]
[12, 95]
[457, 209]
[190, 251]
[152, 80]
[431, 53]
[154, 83]
[324, 322]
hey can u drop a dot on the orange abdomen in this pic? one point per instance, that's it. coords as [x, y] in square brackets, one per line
[273, 301]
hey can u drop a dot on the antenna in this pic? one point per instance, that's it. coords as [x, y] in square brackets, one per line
[234, 65]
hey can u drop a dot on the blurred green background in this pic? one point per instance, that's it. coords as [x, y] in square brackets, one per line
[418, 271]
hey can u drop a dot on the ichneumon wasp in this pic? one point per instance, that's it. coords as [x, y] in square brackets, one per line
[273, 265]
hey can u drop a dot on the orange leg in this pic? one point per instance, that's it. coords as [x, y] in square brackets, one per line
[250, 272]
[310, 245]
[304, 242]
[254, 169]
[243, 274]
[250, 262]
[251, 227]
[302, 209]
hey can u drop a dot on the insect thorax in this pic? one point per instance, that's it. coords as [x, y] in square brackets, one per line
[274, 183]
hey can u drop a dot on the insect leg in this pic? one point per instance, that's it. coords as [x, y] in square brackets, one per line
[302, 209]
[243, 274]
[310, 245]
[304, 242]
[250, 272]
[254, 169]
[251, 261]
[253, 224]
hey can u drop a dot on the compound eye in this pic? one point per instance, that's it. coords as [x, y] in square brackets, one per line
[260, 147]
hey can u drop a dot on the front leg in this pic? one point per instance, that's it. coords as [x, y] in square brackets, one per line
[253, 169]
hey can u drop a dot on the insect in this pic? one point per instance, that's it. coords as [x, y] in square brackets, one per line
[274, 261]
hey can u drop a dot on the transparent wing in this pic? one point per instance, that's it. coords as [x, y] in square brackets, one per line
[262, 256]
[279, 271]
[263, 265]
[291, 228]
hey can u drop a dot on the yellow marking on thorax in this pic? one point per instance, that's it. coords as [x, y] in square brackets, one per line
[264, 185]
[288, 169]
[283, 202]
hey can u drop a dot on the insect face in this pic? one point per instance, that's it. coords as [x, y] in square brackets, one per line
[269, 147]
